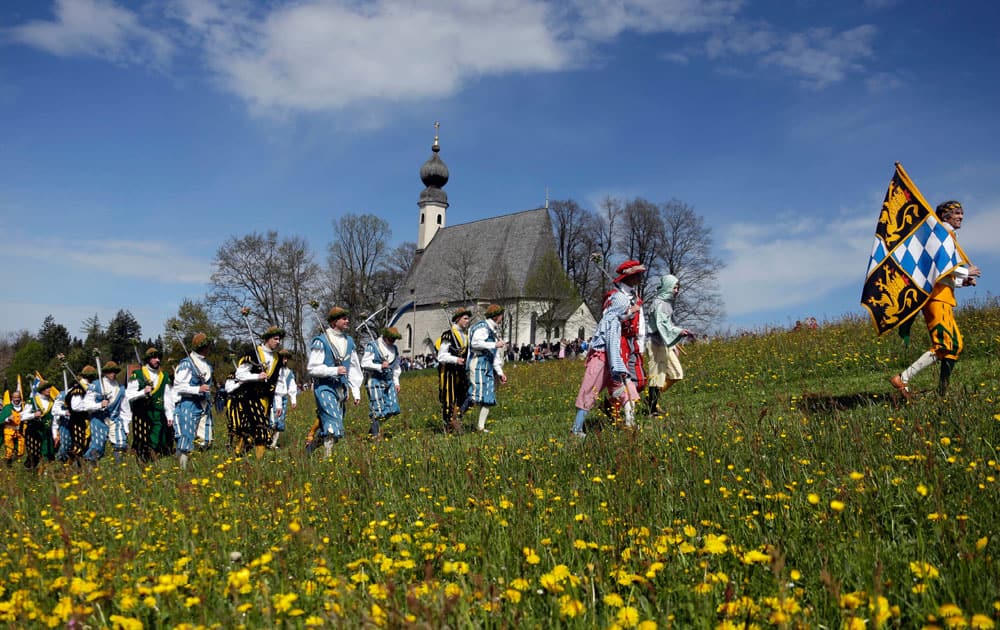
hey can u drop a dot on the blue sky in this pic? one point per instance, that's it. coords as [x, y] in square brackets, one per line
[135, 137]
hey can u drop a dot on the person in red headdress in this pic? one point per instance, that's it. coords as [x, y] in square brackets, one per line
[625, 298]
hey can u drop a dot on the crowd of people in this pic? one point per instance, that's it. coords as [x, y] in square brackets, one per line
[636, 346]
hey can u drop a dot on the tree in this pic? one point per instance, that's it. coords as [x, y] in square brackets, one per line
[299, 283]
[357, 253]
[53, 337]
[456, 282]
[27, 360]
[273, 278]
[121, 331]
[10, 343]
[549, 285]
[193, 317]
[641, 231]
[686, 252]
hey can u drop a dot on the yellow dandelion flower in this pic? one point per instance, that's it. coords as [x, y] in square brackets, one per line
[715, 545]
[628, 617]
[191, 602]
[118, 622]
[379, 616]
[520, 584]
[836, 505]
[754, 556]
[856, 476]
[570, 607]
[295, 527]
[648, 624]
[530, 556]
[949, 610]
[981, 622]
[855, 623]
[614, 599]
[796, 575]
[690, 531]
[512, 595]
[813, 498]
[922, 490]
[981, 543]
[923, 570]
[313, 621]
[579, 544]
[452, 590]
[850, 601]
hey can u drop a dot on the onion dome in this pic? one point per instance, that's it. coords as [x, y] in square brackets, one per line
[434, 175]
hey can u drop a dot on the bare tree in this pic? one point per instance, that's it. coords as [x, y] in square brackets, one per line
[550, 286]
[686, 252]
[642, 231]
[299, 284]
[247, 274]
[358, 251]
[457, 282]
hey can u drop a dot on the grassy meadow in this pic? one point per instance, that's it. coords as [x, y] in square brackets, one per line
[784, 485]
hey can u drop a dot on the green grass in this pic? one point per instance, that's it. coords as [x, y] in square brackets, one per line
[785, 485]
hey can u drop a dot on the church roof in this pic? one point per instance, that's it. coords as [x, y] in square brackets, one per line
[495, 256]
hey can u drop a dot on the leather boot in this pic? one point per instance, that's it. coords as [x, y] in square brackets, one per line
[947, 365]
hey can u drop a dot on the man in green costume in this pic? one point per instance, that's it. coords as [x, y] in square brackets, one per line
[147, 389]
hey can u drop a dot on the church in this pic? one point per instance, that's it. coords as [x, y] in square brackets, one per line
[509, 260]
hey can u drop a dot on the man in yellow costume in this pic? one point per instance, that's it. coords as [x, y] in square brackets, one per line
[13, 438]
[946, 339]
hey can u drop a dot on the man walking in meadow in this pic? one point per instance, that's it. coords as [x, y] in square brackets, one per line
[286, 394]
[627, 385]
[257, 374]
[192, 385]
[74, 426]
[486, 363]
[13, 440]
[664, 336]
[148, 388]
[104, 401]
[381, 363]
[597, 376]
[335, 368]
[946, 339]
[453, 378]
[37, 418]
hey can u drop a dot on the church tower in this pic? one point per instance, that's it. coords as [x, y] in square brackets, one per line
[433, 201]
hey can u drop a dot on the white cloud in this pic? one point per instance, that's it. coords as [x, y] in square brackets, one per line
[606, 19]
[145, 260]
[97, 28]
[798, 262]
[821, 56]
[792, 262]
[342, 55]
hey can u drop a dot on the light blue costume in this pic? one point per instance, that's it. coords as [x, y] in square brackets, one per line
[382, 382]
[483, 365]
[330, 388]
[188, 412]
[104, 422]
[279, 416]
[60, 417]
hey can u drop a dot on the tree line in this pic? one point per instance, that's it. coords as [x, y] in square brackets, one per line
[281, 281]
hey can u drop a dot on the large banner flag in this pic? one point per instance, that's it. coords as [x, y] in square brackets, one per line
[913, 250]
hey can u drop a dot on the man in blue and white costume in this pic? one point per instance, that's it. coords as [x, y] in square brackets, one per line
[192, 387]
[60, 426]
[335, 368]
[485, 363]
[381, 364]
[286, 392]
[103, 402]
